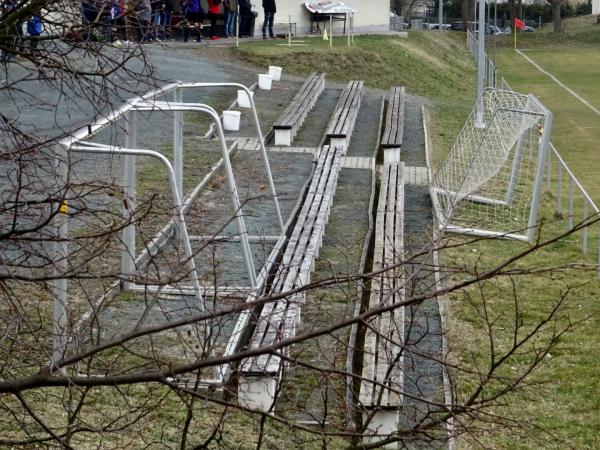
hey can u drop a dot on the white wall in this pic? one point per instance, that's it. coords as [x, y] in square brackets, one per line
[372, 16]
[595, 6]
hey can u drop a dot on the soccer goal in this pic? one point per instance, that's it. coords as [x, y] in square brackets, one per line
[490, 183]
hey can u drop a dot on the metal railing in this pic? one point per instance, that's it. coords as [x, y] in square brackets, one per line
[580, 208]
[491, 71]
[559, 180]
[80, 141]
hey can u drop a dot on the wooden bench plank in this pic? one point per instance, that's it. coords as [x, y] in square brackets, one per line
[259, 337]
[393, 133]
[345, 111]
[382, 369]
[299, 102]
[302, 102]
[278, 319]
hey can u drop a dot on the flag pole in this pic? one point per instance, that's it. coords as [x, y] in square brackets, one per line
[515, 28]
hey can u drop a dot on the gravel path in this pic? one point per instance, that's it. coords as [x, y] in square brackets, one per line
[366, 128]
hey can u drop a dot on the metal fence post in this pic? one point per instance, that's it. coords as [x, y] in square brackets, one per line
[559, 190]
[549, 173]
[178, 150]
[570, 218]
[585, 228]
[60, 284]
[129, 203]
[178, 142]
[539, 177]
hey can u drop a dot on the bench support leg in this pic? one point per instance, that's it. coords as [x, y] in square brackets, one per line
[391, 155]
[283, 137]
[257, 393]
[383, 423]
[340, 143]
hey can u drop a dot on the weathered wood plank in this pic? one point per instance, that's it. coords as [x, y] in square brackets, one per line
[303, 101]
[278, 320]
[383, 358]
[393, 133]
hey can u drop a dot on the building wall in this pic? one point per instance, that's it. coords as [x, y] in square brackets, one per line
[371, 16]
[595, 6]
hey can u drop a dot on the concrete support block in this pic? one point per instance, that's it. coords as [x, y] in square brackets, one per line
[383, 424]
[283, 137]
[339, 142]
[391, 155]
[257, 392]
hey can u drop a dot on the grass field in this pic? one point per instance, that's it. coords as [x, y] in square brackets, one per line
[579, 32]
[431, 65]
[564, 400]
[560, 408]
[576, 129]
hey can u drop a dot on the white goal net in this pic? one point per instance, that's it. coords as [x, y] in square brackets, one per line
[490, 183]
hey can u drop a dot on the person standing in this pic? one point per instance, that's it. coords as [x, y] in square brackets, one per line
[193, 15]
[34, 29]
[143, 12]
[230, 13]
[15, 32]
[214, 8]
[245, 18]
[270, 9]
[158, 9]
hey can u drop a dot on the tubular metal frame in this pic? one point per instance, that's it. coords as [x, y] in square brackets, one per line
[110, 150]
[175, 174]
[237, 207]
[259, 135]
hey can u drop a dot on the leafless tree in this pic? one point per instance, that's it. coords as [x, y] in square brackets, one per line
[140, 383]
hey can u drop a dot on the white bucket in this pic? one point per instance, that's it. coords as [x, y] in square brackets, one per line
[243, 101]
[264, 82]
[275, 72]
[231, 120]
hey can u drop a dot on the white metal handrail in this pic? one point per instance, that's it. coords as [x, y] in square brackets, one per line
[78, 142]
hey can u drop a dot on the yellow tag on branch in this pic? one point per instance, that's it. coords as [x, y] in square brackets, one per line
[64, 208]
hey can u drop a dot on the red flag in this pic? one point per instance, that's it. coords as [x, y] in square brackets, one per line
[519, 24]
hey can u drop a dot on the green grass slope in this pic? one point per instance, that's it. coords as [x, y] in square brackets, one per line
[433, 65]
[560, 405]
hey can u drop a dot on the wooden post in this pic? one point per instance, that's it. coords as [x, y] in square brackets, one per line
[237, 27]
[330, 30]
[348, 18]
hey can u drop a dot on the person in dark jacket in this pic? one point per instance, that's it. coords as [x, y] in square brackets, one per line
[193, 17]
[15, 32]
[270, 9]
[246, 16]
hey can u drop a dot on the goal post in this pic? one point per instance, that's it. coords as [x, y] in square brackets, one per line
[490, 184]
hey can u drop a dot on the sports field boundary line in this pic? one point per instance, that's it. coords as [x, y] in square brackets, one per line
[562, 85]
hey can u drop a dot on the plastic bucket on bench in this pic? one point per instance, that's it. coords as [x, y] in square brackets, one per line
[243, 101]
[264, 82]
[231, 120]
[275, 72]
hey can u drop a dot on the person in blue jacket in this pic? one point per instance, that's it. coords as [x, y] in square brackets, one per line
[34, 28]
